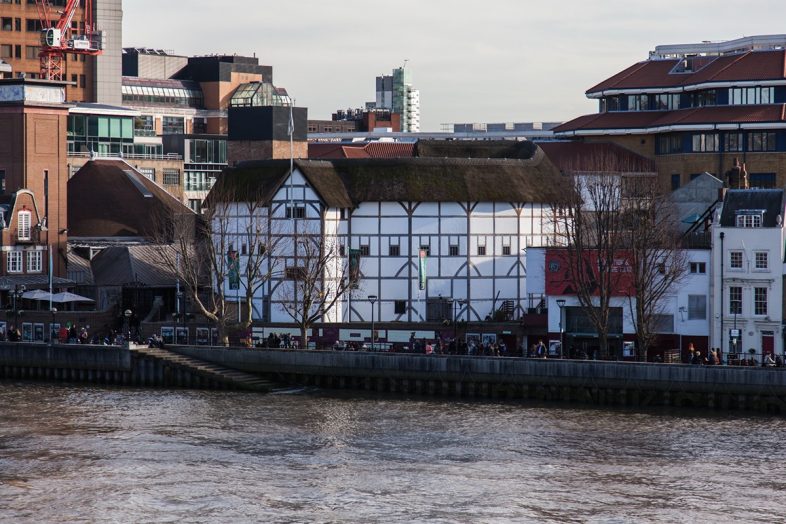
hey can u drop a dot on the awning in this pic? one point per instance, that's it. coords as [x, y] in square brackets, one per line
[67, 296]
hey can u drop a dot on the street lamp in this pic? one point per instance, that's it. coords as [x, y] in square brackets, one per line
[372, 299]
[52, 333]
[561, 304]
[127, 313]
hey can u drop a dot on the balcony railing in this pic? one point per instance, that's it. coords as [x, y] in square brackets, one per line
[131, 156]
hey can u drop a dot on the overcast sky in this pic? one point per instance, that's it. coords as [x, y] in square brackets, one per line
[487, 61]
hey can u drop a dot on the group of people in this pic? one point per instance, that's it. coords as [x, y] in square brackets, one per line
[277, 340]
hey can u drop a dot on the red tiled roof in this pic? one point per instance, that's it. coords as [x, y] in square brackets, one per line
[595, 156]
[774, 113]
[753, 65]
[368, 150]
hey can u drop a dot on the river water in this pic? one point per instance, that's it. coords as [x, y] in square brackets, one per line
[85, 454]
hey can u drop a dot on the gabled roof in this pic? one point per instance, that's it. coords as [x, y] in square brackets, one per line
[132, 265]
[751, 65]
[109, 198]
[347, 183]
[769, 200]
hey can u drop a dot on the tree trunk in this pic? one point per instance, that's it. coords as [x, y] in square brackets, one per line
[303, 339]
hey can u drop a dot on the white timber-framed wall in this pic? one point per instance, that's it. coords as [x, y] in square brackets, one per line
[456, 235]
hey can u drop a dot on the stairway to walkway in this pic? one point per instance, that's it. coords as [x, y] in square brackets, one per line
[231, 377]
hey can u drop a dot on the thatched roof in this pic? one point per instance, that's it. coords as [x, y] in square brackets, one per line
[348, 182]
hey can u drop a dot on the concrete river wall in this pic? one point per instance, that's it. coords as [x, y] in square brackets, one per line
[591, 382]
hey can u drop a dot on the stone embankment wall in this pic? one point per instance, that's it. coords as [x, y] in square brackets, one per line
[592, 382]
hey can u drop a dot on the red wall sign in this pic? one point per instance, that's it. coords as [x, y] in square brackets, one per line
[559, 279]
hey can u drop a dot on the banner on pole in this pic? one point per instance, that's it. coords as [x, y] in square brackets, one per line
[422, 266]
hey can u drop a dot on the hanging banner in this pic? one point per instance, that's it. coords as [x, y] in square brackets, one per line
[233, 266]
[354, 265]
[422, 263]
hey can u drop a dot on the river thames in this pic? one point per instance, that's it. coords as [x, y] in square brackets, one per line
[86, 454]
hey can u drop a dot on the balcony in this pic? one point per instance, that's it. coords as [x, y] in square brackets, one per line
[130, 156]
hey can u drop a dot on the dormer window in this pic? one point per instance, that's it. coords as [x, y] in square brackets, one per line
[750, 218]
[24, 220]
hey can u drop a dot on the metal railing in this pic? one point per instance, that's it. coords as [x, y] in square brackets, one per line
[130, 156]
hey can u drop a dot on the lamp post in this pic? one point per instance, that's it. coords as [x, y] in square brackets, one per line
[561, 304]
[52, 333]
[372, 299]
[127, 313]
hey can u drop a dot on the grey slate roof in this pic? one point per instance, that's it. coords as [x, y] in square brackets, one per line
[124, 265]
[769, 200]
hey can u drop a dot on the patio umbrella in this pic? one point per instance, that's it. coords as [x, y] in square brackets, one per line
[36, 294]
[67, 296]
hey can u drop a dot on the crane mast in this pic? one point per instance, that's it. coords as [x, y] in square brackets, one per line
[59, 38]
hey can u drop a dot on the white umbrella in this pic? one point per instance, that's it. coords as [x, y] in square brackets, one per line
[36, 294]
[67, 296]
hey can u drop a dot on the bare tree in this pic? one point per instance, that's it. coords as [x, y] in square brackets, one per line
[589, 225]
[222, 257]
[658, 262]
[316, 279]
[620, 240]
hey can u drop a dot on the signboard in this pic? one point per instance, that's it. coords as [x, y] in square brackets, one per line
[203, 336]
[555, 348]
[181, 335]
[560, 273]
[735, 333]
[422, 266]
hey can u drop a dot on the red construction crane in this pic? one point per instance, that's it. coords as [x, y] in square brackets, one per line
[59, 37]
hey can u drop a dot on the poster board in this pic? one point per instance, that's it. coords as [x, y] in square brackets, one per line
[168, 334]
[203, 336]
[181, 335]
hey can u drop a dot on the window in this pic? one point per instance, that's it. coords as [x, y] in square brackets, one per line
[735, 259]
[171, 177]
[149, 172]
[34, 261]
[762, 180]
[506, 250]
[762, 261]
[735, 300]
[669, 144]
[23, 230]
[6, 51]
[749, 218]
[296, 212]
[400, 307]
[426, 248]
[365, 250]
[761, 141]
[295, 273]
[31, 52]
[261, 249]
[667, 102]
[698, 267]
[7, 24]
[481, 250]
[144, 126]
[14, 262]
[394, 251]
[733, 142]
[751, 95]
[697, 307]
[705, 142]
[195, 204]
[173, 125]
[453, 251]
[638, 102]
[760, 301]
[341, 250]
[675, 181]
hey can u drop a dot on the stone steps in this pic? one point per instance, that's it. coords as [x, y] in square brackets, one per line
[233, 377]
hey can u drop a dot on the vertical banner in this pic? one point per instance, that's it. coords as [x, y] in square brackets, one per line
[422, 263]
[354, 265]
[233, 264]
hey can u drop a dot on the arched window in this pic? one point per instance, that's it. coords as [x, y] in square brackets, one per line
[24, 220]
